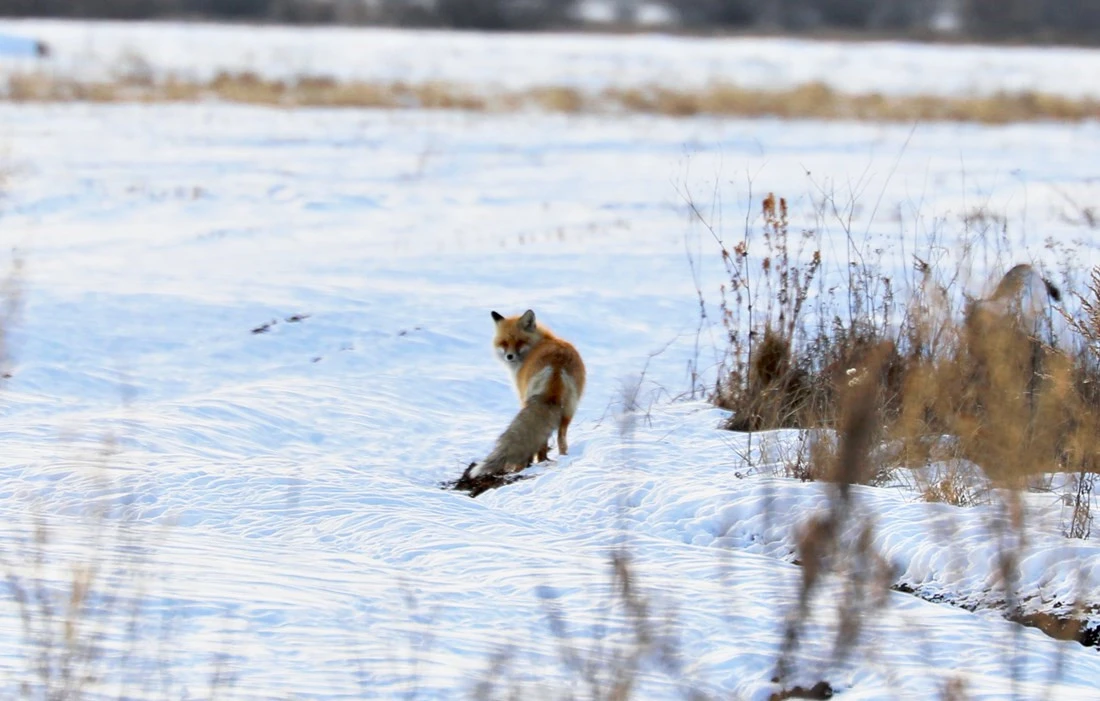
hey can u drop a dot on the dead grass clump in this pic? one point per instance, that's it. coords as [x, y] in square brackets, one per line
[42, 87]
[980, 383]
[323, 91]
[813, 99]
[247, 87]
[956, 487]
[443, 95]
[27, 87]
[676, 103]
[776, 393]
[103, 92]
[173, 89]
[632, 100]
[559, 99]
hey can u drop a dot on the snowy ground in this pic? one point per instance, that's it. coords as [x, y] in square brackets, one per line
[592, 62]
[283, 486]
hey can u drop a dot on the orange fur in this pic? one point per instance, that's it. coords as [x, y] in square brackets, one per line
[550, 376]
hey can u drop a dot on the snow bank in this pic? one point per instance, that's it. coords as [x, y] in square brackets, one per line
[283, 486]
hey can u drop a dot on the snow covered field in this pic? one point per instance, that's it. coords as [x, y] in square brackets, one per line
[281, 489]
[98, 50]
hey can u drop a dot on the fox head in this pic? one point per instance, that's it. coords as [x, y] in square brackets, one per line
[515, 337]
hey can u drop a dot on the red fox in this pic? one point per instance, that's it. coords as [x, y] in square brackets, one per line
[549, 377]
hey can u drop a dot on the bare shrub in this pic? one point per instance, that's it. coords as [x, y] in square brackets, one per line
[763, 383]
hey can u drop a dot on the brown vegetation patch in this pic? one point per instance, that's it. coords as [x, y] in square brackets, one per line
[813, 100]
[1070, 626]
[979, 382]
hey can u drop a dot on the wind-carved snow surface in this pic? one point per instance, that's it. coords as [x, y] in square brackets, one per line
[283, 530]
[195, 51]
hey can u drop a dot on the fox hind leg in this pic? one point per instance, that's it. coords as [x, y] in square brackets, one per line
[563, 427]
[543, 453]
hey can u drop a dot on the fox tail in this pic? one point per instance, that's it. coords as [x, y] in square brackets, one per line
[522, 440]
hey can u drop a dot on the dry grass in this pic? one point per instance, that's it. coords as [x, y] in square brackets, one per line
[75, 581]
[960, 381]
[819, 101]
[968, 399]
[808, 101]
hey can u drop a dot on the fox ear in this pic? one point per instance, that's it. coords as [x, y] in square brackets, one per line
[527, 321]
[497, 317]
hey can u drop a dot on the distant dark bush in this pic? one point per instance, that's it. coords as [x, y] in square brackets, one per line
[732, 13]
[1002, 19]
[503, 14]
[227, 8]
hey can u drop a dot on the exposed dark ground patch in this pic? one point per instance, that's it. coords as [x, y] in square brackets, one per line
[1059, 627]
[292, 319]
[821, 690]
[483, 483]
